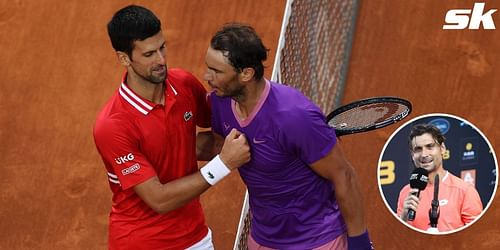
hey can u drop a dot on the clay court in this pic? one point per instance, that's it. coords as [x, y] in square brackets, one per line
[58, 68]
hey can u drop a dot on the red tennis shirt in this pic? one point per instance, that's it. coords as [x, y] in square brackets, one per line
[137, 140]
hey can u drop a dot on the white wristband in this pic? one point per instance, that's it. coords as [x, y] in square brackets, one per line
[214, 171]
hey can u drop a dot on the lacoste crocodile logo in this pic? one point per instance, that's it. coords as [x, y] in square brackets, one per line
[188, 115]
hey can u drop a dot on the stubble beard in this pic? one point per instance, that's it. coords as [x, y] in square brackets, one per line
[237, 94]
[151, 78]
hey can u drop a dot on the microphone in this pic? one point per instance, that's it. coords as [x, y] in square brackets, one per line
[434, 211]
[418, 180]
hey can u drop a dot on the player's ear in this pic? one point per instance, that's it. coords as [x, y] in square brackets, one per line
[443, 148]
[247, 74]
[123, 58]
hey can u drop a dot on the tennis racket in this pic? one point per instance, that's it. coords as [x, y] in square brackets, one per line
[368, 114]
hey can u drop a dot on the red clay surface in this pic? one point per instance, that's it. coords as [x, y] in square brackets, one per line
[57, 70]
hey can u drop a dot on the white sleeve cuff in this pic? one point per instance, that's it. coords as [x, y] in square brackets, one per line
[214, 171]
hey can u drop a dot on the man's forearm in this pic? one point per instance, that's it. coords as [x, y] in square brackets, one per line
[350, 200]
[208, 145]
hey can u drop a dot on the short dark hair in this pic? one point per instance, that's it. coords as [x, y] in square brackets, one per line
[242, 46]
[130, 24]
[421, 129]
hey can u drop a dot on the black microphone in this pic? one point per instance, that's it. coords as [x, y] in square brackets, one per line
[418, 180]
[434, 211]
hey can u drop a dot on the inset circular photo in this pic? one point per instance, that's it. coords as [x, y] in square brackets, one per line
[438, 173]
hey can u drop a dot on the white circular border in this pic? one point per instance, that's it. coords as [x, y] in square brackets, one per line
[484, 209]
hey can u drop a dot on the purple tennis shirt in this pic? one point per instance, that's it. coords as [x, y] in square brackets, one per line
[292, 207]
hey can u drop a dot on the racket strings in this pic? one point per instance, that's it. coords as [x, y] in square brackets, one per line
[367, 115]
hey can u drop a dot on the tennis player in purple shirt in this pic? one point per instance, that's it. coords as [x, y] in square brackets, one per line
[303, 193]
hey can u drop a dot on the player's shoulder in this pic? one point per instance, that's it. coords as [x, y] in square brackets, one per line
[456, 182]
[406, 187]
[290, 97]
[284, 90]
[112, 124]
[292, 105]
[113, 117]
[405, 190]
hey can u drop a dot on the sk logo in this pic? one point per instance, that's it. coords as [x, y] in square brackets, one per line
[188, 115]
[458, 19]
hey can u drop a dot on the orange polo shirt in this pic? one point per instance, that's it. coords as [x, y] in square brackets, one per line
[459, 204]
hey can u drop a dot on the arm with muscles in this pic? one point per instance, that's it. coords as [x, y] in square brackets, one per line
[338, 170]
[410, 202]
[169, 196]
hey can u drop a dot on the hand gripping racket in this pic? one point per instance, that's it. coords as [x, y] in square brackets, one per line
[368, 114]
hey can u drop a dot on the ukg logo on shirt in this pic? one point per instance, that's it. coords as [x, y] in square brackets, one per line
[125, 158]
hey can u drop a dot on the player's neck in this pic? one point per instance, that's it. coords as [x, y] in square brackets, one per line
[441, 172]
[246, 103]
[151, 91]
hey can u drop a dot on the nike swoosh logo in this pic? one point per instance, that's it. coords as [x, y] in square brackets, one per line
[258, 141]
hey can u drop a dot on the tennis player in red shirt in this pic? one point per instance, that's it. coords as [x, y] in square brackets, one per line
[146, 136]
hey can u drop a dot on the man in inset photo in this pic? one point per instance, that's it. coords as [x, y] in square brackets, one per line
[435, 200]
[437, 174]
